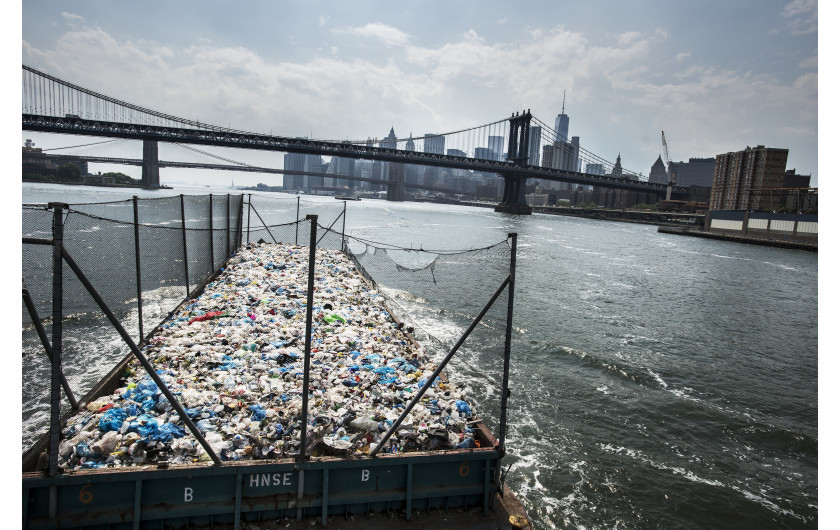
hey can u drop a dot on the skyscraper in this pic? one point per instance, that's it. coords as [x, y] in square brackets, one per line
[595, 169]
[433, 143]
[497, 145]
[390, 141]
[658, 173]
[561, 124]
[534, 140]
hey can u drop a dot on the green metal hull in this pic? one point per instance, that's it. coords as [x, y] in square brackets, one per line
[191, 495]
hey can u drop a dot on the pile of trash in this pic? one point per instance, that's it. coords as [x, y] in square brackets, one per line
[233, 357]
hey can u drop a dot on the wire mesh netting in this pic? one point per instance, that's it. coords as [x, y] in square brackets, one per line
[438, 294]
[184, 240]
[102, 239]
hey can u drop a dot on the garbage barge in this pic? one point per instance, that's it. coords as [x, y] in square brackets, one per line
[233, 359]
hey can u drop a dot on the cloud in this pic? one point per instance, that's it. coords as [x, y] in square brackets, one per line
[323, 20]
[809, 62]
[801, 16]
[389, 35]
[615, 87]
[235, 85]
[72, 19]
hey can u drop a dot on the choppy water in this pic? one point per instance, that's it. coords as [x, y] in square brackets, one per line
[657, 381]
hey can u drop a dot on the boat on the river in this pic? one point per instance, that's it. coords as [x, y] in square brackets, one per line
[428, 488]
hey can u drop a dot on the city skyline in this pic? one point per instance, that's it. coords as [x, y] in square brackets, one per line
[713, 85]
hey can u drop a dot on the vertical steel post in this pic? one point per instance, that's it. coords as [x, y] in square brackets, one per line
[227, 229]
[343, 224]
[307, 347]
[508, 332]
[186, 256]
[325, 498]
[212, 258]
[248, 233]
[239, 221]
[55, 364]
[137, 269]
[297, 220]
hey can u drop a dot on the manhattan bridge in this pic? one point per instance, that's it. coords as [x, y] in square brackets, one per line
[510, 148]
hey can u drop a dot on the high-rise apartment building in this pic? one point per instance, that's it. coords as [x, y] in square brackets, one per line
[740, 177]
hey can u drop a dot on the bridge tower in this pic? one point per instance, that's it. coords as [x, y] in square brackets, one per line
[396, 186]
[151, 166]
[513, 198]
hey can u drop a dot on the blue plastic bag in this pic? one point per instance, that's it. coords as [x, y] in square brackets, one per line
[112, 420]
[166, 432]
[463, 407]
[258, 412]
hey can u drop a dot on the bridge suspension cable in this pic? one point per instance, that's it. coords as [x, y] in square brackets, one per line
[46, 95]
[83, 145]
[211, 155]
[548, 136]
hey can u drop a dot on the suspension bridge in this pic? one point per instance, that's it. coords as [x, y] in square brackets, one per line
[511, 148]
[92, 153]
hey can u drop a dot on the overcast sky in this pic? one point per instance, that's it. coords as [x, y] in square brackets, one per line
[716, 76]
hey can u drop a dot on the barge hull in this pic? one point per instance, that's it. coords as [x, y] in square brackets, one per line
[190, 495]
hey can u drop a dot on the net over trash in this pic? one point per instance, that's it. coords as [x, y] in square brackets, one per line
[233, 357]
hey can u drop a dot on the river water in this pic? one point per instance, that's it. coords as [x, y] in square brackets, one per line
[658, 381]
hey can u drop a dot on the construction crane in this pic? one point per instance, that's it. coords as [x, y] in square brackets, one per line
[672, 177]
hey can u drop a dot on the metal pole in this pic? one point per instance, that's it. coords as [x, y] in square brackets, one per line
[343, 224]
[239, 221]
[248, 233]
[508, 332]
[297, 221]
[45, 341]
[140, 357]
[307, 348]
[186, 258]
[329, 228]
[440, 367]
[137, 269]
[267, 229]
[55, 364]
[212, 259]
[227, 229]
